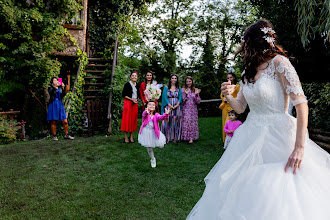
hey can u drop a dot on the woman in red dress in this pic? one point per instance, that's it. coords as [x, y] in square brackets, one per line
[130, 109]
[149, 79]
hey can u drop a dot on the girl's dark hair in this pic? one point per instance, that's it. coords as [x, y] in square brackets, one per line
[233, 112]
[192, 85]
[133, 72]
[51, 80]
[235, 77]
[255, 49]
[177, 81]
[152, 79]
[156, 106]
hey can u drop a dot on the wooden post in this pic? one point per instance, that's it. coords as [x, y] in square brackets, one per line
[87, 35]
[85, 16]
[97, 112]
[89, 118]
[67, 103]
[46, 97]
[38, 100]
[114, 61]
[93, 117]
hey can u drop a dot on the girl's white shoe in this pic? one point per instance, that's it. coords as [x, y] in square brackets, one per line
[153, 163]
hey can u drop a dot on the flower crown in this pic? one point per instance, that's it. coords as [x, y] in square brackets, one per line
[268, 30]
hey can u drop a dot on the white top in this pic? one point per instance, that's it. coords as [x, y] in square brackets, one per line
[134, 94]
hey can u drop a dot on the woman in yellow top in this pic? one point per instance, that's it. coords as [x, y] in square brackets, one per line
[224, 106]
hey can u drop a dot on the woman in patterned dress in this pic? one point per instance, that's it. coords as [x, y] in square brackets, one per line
[172, 99]
[190, 98]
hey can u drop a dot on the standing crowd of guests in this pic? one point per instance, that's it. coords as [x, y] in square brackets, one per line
[181, 123]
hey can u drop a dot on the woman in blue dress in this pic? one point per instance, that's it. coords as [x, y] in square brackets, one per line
[56, 108]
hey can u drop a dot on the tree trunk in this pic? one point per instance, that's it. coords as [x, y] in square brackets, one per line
[46, 97]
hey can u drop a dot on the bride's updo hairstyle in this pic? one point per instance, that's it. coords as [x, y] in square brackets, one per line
[258, 45]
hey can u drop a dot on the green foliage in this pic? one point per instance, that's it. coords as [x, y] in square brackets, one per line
[221, 25]
[314, 19]
[171, 27]
[318, 95]
[109, 19]
[8, 130]
[125, 66]
[31, 31]
[74, 101]
[289, 22]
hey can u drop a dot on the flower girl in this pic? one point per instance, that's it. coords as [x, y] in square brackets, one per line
[150, 135]
[231, 126]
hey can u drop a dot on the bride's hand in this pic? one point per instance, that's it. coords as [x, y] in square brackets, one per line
[295, 159]
[227, 88]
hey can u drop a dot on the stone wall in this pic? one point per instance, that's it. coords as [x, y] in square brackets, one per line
[78, 34]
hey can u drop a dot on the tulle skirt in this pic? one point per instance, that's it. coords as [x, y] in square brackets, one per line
[148, 138]
[249, 182]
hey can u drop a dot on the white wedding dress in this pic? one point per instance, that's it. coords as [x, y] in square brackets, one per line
[249, 182]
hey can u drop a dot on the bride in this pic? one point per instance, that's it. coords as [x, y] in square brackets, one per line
[272, 170]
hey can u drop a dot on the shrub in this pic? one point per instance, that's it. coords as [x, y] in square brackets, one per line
[8, 130]
[318, 96]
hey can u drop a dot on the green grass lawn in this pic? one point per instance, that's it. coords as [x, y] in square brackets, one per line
[103, 178]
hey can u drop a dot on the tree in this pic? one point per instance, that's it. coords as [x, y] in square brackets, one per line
[30, 32]
[221, 25]
[170, 24]
[110, 20]
[314, 19]
[311, 60]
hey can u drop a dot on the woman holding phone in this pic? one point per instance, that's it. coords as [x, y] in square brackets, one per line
[56, 108]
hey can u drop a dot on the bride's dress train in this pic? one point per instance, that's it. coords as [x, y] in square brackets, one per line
[249, 182]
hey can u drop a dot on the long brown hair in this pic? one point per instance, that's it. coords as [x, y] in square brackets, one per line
[192, 84]
[255, 49]
[145, 77]
[177, 81]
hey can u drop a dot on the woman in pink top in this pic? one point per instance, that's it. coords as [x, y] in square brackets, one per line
[231, 126]
[150, 135]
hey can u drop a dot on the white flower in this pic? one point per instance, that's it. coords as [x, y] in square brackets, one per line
[269, 39]
[267, 29]
[153, 91]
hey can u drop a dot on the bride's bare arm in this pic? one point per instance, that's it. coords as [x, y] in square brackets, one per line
[292, 87]
[302, 121]
[239, 103]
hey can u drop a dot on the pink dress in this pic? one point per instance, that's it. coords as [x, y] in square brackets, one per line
[189, 121]
[230, 126]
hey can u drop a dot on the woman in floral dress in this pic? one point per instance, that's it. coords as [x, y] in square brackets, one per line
[172, 99]
[190, 98]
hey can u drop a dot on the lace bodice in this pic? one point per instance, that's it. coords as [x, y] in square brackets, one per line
[271, 92]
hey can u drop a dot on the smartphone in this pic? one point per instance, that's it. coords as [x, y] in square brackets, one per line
[60, 80]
